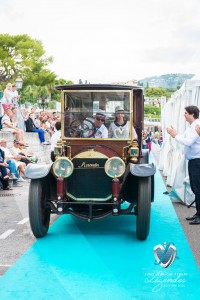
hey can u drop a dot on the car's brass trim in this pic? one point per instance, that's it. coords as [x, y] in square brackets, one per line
[89, 199]
[67, 173]
[69, 152]
[111, 172]
[97, 91]
[124, 155]
[90, 154]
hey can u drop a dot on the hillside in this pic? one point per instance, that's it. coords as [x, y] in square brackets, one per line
[166, 81]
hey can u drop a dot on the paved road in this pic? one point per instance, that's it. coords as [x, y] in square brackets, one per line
[192, 232]
[15, 233]
[15, 237]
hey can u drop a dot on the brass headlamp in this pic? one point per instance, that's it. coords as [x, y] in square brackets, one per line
[134, 152]
[57, 151]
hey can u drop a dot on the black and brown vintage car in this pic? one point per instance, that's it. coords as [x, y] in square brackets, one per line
[100, 168]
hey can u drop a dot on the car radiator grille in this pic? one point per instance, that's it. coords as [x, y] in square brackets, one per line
[89, 180]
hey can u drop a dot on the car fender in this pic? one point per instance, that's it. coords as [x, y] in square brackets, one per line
[130, 184]
[34, 171]
[143, 170]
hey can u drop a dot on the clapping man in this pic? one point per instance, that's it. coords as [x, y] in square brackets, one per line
[190, 139]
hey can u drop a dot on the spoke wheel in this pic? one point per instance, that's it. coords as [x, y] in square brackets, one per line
[39, 209]
[143, 208]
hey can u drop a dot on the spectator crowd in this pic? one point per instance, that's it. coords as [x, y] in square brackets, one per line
[150, 137]
[13, 160]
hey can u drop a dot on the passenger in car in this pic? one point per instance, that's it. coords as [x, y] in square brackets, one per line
[120, 128]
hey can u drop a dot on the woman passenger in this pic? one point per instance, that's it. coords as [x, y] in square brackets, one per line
[120, 128]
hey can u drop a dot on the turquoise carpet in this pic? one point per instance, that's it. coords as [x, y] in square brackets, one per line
[104, 260]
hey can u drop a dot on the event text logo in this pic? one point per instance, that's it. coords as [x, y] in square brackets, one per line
[162, 280]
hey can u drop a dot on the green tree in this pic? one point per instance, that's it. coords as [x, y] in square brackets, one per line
[156, 92]
[22, 56]
[62, 81]
[55, 95]
[32, 92]
[151, 110]
[29, 94]
[171, 90]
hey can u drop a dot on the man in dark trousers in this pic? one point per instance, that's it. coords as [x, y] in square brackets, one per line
[30, 127]
[3, 172]
[191, 141]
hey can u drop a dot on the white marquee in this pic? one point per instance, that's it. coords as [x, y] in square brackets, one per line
[172, 161]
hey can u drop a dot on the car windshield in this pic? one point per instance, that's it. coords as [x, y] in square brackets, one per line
[102, 114]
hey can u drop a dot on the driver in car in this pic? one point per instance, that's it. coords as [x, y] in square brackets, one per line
[99, 122]
[100, 130]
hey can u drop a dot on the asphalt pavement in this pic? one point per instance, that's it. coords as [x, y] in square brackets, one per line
[15, 233]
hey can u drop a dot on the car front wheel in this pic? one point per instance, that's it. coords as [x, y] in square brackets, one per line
[143, 208]
[39, 209]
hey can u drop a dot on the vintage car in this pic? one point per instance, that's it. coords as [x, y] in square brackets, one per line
[100, 168]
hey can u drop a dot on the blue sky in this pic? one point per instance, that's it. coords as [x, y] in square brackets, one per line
[110, 40]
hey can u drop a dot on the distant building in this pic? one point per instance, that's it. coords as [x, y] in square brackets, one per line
[132, 82]
[160, 101]
[152, 124]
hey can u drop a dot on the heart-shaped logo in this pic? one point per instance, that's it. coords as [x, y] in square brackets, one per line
[165, 255]
[121, 133]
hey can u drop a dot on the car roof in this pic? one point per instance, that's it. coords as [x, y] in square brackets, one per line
[97, 87]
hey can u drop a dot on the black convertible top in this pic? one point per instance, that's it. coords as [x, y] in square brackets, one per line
[97, 87]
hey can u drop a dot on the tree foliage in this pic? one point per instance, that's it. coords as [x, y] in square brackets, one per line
[152, 110]
[55, 93]
[22, 56]
[156, 92]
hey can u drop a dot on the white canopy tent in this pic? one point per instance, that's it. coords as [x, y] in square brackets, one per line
[172, 160]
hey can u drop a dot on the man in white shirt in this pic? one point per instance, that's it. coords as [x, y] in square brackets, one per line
[100, 129]
[197, 128]
[191, 141]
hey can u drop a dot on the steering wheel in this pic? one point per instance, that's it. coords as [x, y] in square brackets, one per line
[82, 128]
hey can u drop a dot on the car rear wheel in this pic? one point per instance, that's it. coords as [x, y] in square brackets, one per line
[39, 209]
[143, 208]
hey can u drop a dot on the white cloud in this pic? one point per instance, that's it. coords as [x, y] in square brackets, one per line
[110, 40]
